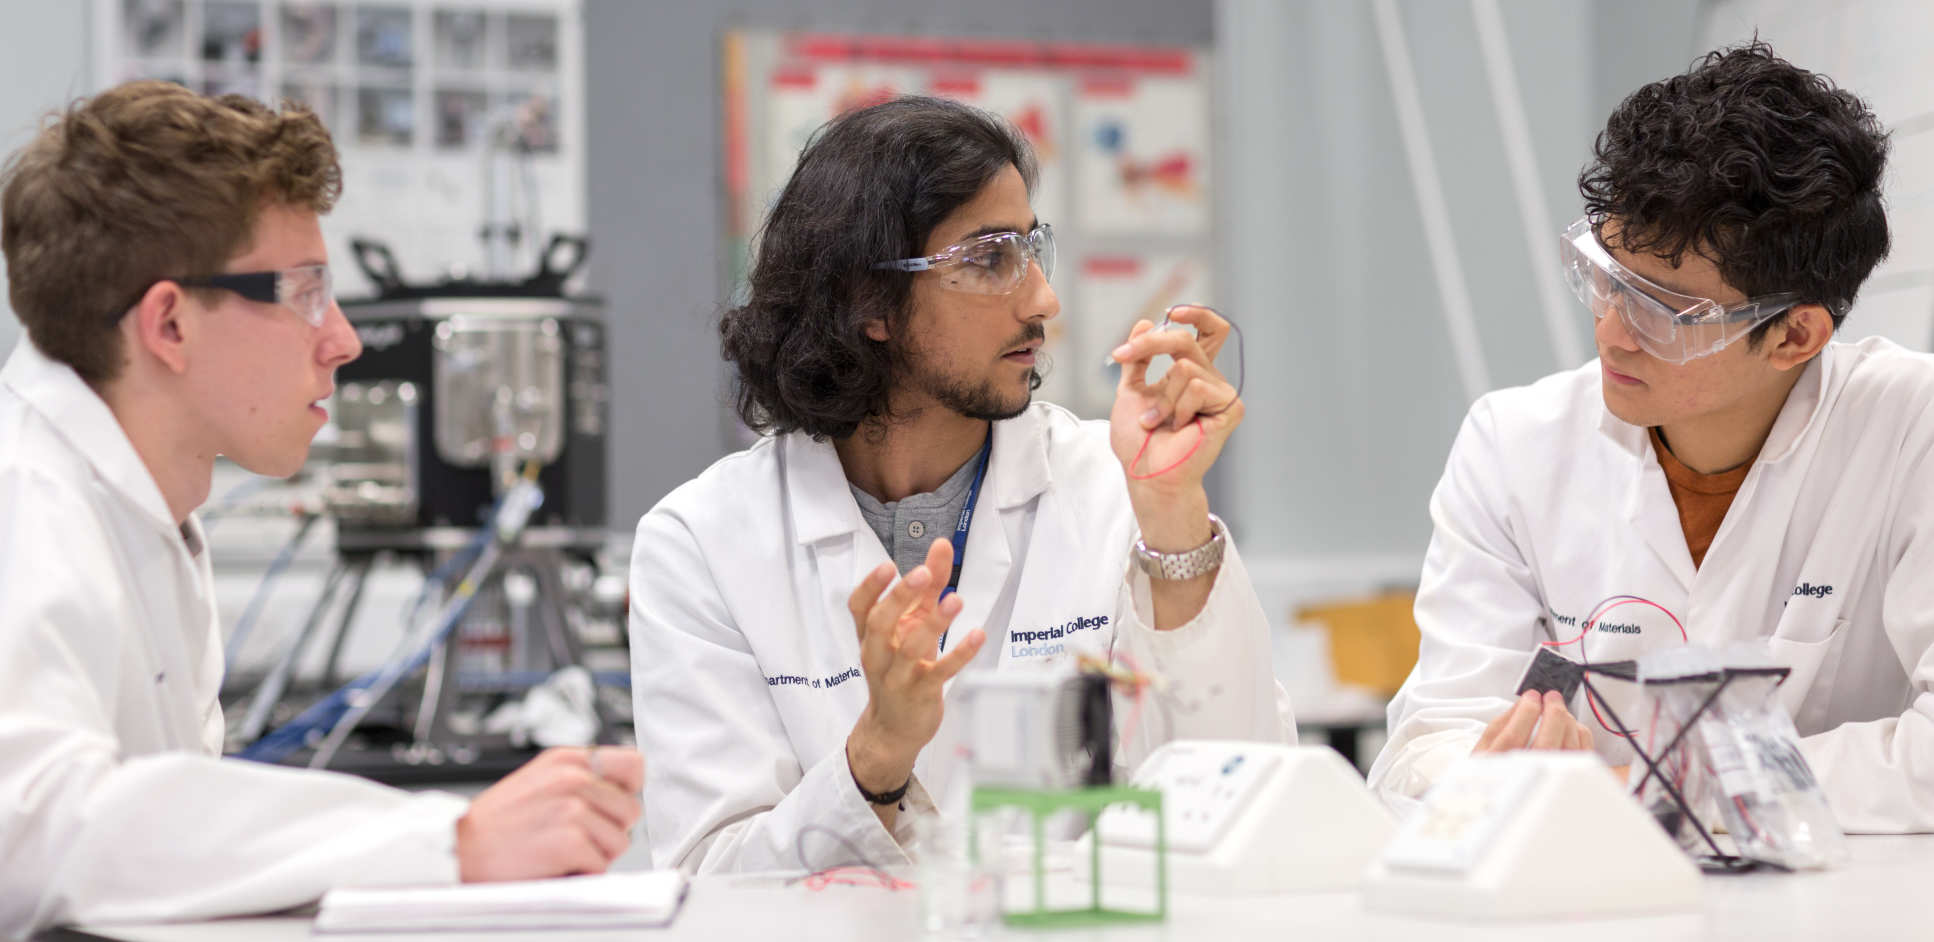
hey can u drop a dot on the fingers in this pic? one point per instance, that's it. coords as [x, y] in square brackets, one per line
[552, 817]
[867, 594]
[1554, 723]
[621, 766]
[1186, 391]
[932, 576]
[1518, 725]
[962, 655]
[573, 851]
[606, 835]
[1535, 721]
[883, 619]
[1200, 396]
[611, 789]
[612, 802]
[940, 565]
[1211, 329]
[1494, 727]
[922, 634]
[1134, 371]
[1145, 345]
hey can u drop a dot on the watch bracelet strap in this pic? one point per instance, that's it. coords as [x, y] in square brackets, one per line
[1187, 564]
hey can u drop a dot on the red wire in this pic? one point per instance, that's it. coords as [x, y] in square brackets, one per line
[855, 876]
[1591, 621]
[1200, 433]
[1606, 608]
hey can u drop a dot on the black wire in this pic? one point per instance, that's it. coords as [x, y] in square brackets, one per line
[1242, 371]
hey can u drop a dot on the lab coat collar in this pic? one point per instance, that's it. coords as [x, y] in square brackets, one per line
[78, 414]
[1018, 472]
[1796, 418]
[1802, 409]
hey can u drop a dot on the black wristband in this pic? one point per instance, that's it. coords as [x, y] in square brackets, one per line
[881, 798]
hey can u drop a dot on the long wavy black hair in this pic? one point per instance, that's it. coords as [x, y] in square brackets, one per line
[1762, 166]
[871, 186]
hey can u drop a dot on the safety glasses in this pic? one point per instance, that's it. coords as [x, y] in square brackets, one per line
[1674, 327]
[307, 290]
[990, 264]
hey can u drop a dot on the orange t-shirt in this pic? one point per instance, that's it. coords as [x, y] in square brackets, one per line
[1702, 499]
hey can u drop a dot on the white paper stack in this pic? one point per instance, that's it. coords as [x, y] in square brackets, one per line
[611, 900]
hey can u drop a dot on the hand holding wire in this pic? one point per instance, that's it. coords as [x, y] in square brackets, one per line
[1191, 393]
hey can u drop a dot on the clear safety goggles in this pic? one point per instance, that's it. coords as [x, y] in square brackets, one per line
[307, 290]
[1674, 327]
[991, 264]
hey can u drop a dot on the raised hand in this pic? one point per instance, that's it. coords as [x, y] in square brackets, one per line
[899, 631]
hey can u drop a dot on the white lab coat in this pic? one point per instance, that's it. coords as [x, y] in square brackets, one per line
[1550, 504]
[115, 805]
[745, 662]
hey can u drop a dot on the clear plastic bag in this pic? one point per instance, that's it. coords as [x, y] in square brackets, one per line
[1672, 684]
[1742, 752]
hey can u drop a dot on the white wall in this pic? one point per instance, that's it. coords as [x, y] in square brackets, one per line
[1876, 49]
[43, 64]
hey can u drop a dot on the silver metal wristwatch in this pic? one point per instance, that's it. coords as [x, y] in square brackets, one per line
[1176, 567]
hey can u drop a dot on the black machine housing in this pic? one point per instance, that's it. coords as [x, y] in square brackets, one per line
[446, 371]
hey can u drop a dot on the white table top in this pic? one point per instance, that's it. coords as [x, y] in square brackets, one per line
[1885, 892]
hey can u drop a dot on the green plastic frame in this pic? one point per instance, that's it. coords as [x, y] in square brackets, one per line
[1041, 804]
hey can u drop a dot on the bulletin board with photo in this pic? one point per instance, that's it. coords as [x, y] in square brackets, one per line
[448, 113]
[1122, 135]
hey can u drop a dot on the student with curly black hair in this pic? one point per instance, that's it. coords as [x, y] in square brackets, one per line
[1723, 472]
[791, 700]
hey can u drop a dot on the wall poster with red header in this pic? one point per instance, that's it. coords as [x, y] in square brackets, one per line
[1122, 135]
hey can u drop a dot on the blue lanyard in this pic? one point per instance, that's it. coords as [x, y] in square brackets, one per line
[967, 520]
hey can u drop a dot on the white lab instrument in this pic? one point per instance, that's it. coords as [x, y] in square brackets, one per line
[1037, 729]
[1531, 835]
[1247, 818]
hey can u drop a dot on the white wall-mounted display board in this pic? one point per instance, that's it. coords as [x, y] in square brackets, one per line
[447, 113]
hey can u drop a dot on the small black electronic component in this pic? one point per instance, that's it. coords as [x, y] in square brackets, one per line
[1550, 670]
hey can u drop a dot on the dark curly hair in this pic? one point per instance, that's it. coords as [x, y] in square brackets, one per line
[871, 185]
[1762, 166]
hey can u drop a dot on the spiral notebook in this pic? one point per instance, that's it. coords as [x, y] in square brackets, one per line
[604, 901]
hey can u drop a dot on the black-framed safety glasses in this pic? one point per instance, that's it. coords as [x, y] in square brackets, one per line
[307, 290]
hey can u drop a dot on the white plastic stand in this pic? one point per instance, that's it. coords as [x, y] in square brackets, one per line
[1531, 835]
[1247, 818]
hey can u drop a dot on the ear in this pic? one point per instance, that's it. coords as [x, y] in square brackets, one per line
[876, 330]
[159, 327]
[1802, 334]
